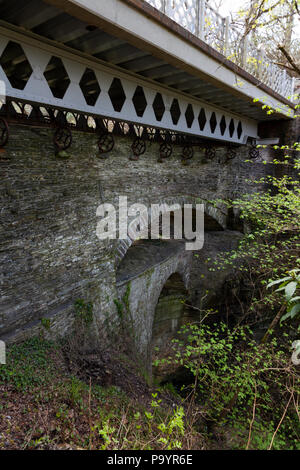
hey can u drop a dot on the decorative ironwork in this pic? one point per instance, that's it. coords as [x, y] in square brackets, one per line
[210, 152]
[62, 138]
[65, 121]
[187, 153]
[106, 144]
[254, 152]
[230, 154]
[4, 132]
[87, 95]
[165, 151]
[138, 148]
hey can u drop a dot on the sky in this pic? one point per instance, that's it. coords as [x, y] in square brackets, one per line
[230, 6]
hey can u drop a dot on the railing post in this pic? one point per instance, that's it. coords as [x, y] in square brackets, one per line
[261, 55]
[226, 35]
[273, 77]
[201, 19]
[245, 52]
[164, 6]
[197, 19]
[283, 82]
[292, 88]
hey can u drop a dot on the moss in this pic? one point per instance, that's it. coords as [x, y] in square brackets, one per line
[84, 311]
[120, 309]
[46, 323]
[63, 154]
[126, 297]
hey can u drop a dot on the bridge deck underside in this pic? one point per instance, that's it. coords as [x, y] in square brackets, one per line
[146, 254]
[52, 23]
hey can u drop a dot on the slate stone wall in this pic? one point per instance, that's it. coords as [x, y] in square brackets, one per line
[50, 255]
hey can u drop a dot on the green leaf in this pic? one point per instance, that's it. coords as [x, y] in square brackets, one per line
[294, 310]
[273, 283]
[290, 289]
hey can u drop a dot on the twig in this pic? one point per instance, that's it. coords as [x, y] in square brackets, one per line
[279, 424]
[253, 417]
[289, 59]
[272, 325]
[285, 66]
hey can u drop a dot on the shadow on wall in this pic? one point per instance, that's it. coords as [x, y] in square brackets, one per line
[169, 312]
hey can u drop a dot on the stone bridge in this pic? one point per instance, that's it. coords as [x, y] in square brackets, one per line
[109, 99]
[155, 304]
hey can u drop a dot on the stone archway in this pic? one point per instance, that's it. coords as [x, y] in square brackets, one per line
[169, 311]
[214, 217]
[140, 292]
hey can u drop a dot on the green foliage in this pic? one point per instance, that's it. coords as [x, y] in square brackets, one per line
[123, 306]
[84, 311]
[290, 285]
[126, 297]
[28, 364]
[232, 371]
[166, 430]
[271, 243]
[46, 323]
[76, 391]
[120, 308]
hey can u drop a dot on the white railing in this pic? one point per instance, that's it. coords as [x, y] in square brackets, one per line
[206, 23]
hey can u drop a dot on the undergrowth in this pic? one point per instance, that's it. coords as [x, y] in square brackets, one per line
[249, 391]
[43, 406]
[245, 395]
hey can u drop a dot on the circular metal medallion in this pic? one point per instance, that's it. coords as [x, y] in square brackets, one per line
[231, 154]
[253, 152]
[106, 143]
[63, 138]
[210, 152]
[138, 148]
[187, 153]
[165, 151]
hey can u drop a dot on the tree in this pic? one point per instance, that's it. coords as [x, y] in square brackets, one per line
[273, 24]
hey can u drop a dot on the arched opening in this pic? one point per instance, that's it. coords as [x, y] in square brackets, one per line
[210, 224]
[169, 312]
[145, 253]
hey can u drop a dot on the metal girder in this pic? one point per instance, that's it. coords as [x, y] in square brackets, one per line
[116, 54]
[118, 96]
[160, 72]
[95, 43]
[31, 16]
[104, 29]
[62, 28]
[142, 64]
[180, 77]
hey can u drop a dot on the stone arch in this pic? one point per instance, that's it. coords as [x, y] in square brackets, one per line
[215, 213]
[143, 293]
[169, 311]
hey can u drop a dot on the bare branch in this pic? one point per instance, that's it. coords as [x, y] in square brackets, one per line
[290, 59]
[285, 66]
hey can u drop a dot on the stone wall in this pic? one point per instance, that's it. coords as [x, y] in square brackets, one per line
[50, 255]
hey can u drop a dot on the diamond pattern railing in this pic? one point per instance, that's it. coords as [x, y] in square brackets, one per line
[198, 17]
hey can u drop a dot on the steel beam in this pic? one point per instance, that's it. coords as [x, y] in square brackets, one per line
[117, 102]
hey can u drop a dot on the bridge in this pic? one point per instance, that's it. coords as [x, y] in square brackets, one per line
[172, 66]
[160, 101]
